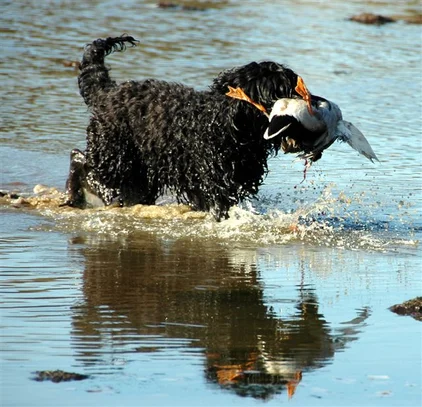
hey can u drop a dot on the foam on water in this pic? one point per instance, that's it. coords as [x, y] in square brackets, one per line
[330, 220]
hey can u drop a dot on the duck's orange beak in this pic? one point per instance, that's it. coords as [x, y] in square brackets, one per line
[303, 91]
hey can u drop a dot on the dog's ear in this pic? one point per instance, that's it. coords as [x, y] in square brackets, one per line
[263, 82]
[270, 82]
[238, 93]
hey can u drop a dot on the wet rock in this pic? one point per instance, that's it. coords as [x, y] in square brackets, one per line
[378, 19]
[412, 307]
[176, 6]
[370, 18]
[57, 376]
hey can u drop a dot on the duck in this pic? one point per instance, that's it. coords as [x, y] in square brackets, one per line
[309, 124]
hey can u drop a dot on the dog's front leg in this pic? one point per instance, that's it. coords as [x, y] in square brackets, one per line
[78, 192]
[75, 196]
[83, 190]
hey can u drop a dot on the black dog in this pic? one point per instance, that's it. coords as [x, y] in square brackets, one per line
[150, 137]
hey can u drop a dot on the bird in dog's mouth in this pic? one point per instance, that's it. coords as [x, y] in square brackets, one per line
[308, 124]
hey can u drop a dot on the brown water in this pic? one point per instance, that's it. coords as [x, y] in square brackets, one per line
[161, 306]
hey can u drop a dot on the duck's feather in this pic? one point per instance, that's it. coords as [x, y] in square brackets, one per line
[347, 132]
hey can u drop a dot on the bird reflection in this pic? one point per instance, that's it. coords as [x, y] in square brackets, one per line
[142, 287]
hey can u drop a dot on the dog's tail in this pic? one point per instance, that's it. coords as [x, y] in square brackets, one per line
[94, 77]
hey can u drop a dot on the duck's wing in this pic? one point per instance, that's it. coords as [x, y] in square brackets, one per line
[347, 132]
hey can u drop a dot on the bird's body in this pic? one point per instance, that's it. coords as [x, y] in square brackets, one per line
[311, 131]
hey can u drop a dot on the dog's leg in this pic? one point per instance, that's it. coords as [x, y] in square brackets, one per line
[76, 180]
[199, 202]
[80, 186]
[220, 213]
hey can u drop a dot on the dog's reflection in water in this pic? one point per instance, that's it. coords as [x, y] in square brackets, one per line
[211, 298]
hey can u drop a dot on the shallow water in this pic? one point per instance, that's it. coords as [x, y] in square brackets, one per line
[286, 300]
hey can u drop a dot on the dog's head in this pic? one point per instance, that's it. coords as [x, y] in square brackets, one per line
[263, 82]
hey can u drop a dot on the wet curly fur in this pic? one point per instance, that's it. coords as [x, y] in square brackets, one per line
[149, 137]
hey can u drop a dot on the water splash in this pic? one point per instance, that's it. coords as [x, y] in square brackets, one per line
[331, 220]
